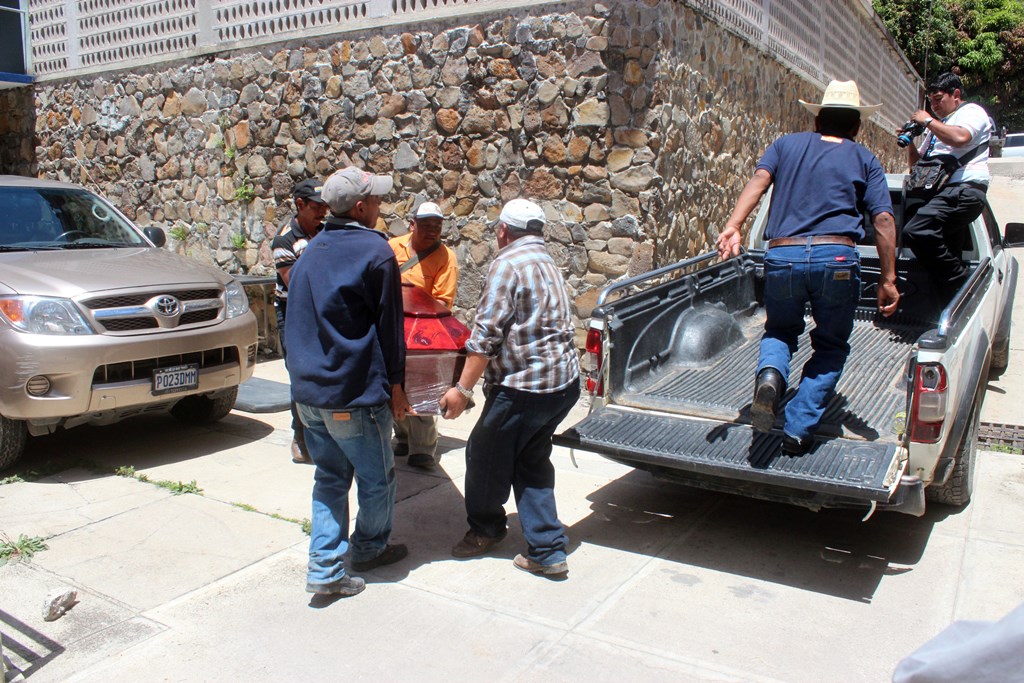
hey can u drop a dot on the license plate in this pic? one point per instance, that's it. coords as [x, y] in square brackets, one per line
[178, 378]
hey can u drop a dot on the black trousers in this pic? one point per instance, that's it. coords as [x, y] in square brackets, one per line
[281, 306]
[938, 233]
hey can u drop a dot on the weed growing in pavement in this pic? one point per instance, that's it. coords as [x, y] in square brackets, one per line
[11, 480]
[22, 549]
[175, 487]
[1003, 448]
[306, 525]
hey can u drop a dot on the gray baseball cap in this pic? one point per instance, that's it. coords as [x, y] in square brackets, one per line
[350, 185]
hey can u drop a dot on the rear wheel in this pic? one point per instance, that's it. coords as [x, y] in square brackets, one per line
[205, 409]
[957, 490]
[13, 437]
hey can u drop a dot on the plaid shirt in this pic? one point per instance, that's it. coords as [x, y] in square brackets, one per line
[523, 324]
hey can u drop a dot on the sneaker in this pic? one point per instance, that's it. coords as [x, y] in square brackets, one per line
[390, 555]
[300, 454]
[346, 586]
[534, 567]
[474, 544]
[767, 391]
[423, 461]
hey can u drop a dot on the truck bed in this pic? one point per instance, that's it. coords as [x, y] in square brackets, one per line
[868, 400]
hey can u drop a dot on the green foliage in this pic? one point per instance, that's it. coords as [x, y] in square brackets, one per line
[238, 240]
[179, 232]
[13, 479]
[1003, 448]
[22, 549]
[178, 488]
[245, 506]
[246, 191]
[125, 471]
[981, 40]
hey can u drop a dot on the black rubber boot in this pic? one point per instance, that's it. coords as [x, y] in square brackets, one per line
[767, 391]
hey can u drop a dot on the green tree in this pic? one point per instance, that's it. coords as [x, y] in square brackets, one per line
[982, 40]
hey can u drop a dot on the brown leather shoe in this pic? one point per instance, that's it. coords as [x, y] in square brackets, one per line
[474, 544]
[534, 567]
[300, 454]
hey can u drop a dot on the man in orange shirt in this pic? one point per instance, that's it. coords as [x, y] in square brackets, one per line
[431, 266]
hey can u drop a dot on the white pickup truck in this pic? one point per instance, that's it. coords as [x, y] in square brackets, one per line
[672, 355]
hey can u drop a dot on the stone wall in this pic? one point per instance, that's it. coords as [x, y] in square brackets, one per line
[634, 124]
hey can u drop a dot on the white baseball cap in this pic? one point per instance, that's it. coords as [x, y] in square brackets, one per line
[350, 185]
[428, 210]
[522, 214]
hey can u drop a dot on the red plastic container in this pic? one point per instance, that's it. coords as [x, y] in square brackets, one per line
[435, 349]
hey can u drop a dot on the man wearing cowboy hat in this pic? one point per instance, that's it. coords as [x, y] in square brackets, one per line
[823, 183]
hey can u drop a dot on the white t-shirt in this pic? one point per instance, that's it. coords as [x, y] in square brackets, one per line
[973, 118]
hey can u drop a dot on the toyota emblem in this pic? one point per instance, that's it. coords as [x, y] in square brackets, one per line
[167, 306]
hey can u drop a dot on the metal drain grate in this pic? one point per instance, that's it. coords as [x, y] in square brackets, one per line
[992, 434]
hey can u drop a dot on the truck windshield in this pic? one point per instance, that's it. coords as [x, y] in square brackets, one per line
[61, 218]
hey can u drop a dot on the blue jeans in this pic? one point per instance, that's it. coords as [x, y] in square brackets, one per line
[510, 448]
[347, 443]
[828, 277]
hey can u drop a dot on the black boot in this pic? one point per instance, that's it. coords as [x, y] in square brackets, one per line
[794, 446]
[767, 391]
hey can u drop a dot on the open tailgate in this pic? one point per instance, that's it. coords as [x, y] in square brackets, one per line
[861, 470]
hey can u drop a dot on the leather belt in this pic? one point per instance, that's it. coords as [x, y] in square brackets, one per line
[812, 240]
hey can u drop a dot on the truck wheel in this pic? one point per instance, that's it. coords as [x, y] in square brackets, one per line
[957, 490]
[13, 437]
[205, 409]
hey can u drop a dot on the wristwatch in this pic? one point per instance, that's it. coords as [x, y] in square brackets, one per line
[468, 393]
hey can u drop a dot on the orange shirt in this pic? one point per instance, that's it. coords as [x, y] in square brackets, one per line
[437, 273]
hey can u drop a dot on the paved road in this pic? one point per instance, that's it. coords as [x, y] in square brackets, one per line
[666, 583]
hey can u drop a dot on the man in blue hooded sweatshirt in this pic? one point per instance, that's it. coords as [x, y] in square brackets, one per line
[346, 359]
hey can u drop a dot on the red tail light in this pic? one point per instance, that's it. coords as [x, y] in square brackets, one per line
[928, 406]
[595, 343]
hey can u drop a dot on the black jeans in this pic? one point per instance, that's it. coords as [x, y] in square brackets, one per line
[938, 233]
[510, 448]
[281, 308]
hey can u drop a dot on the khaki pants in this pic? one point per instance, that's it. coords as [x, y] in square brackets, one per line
[418, 432]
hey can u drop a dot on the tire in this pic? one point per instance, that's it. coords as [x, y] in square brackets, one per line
[13, 437]
[204, 410]
[957, 490]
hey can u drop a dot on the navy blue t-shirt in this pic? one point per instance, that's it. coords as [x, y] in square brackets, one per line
[822, 186]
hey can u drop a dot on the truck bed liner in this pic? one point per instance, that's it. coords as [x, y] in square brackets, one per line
[857, 470]
[865, 406]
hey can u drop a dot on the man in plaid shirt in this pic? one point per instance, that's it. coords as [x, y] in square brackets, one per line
[522, 343]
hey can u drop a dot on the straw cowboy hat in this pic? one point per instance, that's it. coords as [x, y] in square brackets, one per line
[841, 95]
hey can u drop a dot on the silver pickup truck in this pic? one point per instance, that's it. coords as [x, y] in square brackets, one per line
[672, 355]
[98, 324]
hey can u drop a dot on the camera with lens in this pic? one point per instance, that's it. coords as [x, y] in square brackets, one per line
[910, 130]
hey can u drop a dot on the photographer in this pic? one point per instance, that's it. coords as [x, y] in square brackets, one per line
[957, 135]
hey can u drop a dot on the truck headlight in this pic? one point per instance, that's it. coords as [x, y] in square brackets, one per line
[236, 300]
[43, 315]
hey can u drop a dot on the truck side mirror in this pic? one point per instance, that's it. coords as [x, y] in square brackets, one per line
[1013, 235]
[156, 236]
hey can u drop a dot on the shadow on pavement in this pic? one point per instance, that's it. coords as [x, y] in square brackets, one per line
[140, 442]
[830, 552]
[27, 645]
